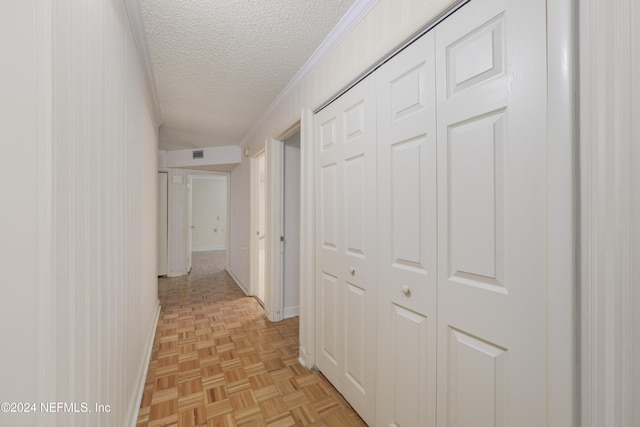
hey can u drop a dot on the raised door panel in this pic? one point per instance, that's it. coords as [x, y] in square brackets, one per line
[476, 382]
[407, 237]
[411, 357]
[330, 336]
[476, 182]
[328, 207]
[355, 187]
[491, 123]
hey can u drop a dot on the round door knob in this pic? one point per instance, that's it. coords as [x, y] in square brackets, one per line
[406, 291]
[352, 271]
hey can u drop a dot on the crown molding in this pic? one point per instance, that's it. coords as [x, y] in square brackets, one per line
[134, 14]
[351, 18]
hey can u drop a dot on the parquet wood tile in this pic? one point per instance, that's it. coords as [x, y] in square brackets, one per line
[218, 362]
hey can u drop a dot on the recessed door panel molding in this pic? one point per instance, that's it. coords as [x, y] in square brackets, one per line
[408, 219]
[492, 131]
[407, 294]
[408, 92]
[329, 210]
[477, 56]
[476, 382]
[355, 187]
[330, 333]
[476, 182]
[328, 134]
[410, 362]
[346, 200]
[354, 340]
[354, 122]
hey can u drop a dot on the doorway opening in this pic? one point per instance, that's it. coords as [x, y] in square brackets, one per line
[275, 200]
[208, 216]
[163, 223]
[291, 226]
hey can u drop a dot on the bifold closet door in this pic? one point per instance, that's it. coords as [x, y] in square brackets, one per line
[407, 280]
[491, 118]
[346, 245]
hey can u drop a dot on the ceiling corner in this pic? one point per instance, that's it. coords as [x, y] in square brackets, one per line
[134, 14]
[349, 20]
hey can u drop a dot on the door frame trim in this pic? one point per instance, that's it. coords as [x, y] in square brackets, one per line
[253, 221]
[274, 197]
[562, 214]
[307, 321]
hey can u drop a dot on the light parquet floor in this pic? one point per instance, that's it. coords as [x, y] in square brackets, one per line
[217, 361]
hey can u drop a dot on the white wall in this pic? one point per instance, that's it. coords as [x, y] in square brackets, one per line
[213, 156]
[292, 225]
[610, 212]
[209, 213]
[19, 216]
[80, 296]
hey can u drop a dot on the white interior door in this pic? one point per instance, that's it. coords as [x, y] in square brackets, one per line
[491, 118]
[291, 227]
[274, 239]
[261, 226]
[189, 221]
[407, 296]
[346, 245]
[163, 227]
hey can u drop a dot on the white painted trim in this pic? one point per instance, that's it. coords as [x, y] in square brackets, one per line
[291, 311]
[209, 248]
[562, 189]
[209, 176]
[46, 375]
[351, 18]
[274, 291]
[307, 321]
[227, 258]
[176, 273]
[134, 405]
[188, 223]
[253, 223]
[239, 282]
[610, 203]
[134, 15]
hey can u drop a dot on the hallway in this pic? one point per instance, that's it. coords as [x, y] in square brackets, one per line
[217, 361]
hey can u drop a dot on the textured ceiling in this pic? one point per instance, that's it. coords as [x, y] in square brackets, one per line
[219, 64]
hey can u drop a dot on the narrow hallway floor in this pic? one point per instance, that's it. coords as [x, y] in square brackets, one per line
[217, 361]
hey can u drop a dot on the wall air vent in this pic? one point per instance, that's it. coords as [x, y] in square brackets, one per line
[198, 154]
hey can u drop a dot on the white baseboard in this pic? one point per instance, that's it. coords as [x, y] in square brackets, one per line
[134, 406]
[291, 311]
[176, 273]
[305, 360]
[240, 283]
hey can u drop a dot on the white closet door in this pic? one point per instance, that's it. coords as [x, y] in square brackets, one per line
[346, 222]
[407, 237]
[491, 224]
